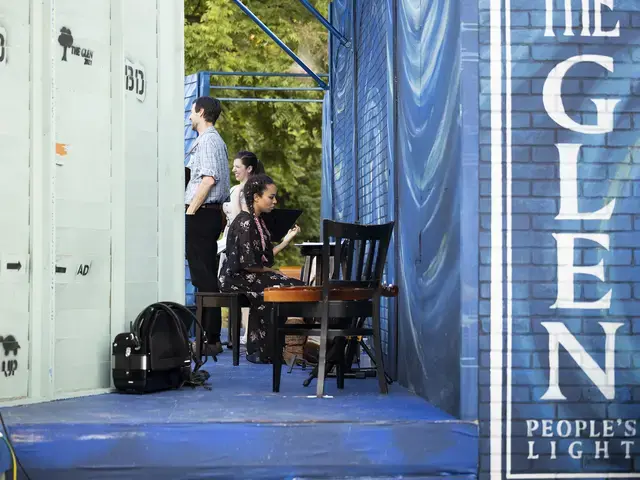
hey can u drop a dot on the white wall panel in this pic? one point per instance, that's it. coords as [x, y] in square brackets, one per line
[83, 191]
[95, 206]
[15, 200]
[141, 139]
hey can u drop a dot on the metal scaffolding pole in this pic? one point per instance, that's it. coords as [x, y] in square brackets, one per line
[343, 40]
[265, 74]
[281, 44]
[270, 100]
[267, 89]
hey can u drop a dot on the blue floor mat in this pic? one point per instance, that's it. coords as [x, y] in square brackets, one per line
[240, 429]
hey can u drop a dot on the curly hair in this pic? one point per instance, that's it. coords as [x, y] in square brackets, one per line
[256, 184]
[249, 159]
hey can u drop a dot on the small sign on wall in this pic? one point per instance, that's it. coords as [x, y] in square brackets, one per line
[3, 45]
[68, 44]
[14, 266]
[10, 347]
[14, 364]
[135, 79]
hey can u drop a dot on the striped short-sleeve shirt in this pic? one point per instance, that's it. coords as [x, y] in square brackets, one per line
[209, 158]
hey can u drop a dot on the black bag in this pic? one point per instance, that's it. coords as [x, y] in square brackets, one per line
[156, 354]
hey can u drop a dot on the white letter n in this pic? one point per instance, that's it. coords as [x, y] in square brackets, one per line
[603, 379]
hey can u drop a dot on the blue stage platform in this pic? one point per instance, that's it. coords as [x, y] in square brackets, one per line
[240, 429]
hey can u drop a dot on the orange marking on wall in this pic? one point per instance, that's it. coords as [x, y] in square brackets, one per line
[62, 149]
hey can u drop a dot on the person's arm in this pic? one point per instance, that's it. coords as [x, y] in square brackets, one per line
[201, 194]
[286, 240]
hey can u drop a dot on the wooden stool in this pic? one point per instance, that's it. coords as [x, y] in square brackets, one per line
[234, 302]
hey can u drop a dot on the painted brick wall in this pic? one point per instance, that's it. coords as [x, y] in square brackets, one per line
[342, 76]
[360, 144]
[371, 127]
[608, 169]
[400, 108]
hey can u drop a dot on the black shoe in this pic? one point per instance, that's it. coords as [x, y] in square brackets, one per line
[255, 358]
[213, 349]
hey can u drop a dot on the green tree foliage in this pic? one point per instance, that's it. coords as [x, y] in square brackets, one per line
[285, 136]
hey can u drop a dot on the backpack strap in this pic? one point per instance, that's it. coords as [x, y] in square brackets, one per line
[149, 315]
[197, 378]
[160, 306]
[136, 325]
[197, 360]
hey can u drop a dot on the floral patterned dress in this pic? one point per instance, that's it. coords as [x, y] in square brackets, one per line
[247, 248]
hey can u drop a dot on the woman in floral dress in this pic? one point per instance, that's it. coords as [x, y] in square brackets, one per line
[250, 256]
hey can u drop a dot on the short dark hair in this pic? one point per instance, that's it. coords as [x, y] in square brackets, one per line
[249, 159]
[256, 184]
[211, 107]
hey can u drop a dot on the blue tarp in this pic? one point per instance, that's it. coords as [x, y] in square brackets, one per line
[396, 140]
[239, 429]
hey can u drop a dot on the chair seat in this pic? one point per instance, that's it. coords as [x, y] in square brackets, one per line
[314, 294]
[222, 299]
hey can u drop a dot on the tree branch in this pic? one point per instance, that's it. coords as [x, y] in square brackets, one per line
[195, 16]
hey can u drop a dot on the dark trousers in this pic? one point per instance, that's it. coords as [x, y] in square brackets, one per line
[202, 232]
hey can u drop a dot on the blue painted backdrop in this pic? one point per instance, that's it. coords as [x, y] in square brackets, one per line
[428, 199]
[520, 192]
[473, 157]
[360, 177]
[396, 146]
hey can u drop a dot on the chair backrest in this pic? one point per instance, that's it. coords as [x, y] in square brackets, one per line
[359, 254]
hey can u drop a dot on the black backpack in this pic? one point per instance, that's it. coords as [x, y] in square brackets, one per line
[156, 354]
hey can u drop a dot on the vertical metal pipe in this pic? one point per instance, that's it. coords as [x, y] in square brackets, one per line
[204, 84]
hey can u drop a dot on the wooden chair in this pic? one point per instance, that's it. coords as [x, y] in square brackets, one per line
[351, 290]
[234, 302]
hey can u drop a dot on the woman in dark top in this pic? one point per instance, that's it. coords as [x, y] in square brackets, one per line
[250, 256]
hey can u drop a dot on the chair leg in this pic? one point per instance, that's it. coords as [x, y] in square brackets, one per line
[280, 347]
[322, 354]
[340, 374]
[312, 375]
[276, 359]
[198, 330]
[377, 343]
[234, 328]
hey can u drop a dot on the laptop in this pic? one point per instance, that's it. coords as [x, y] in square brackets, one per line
[279, 221]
